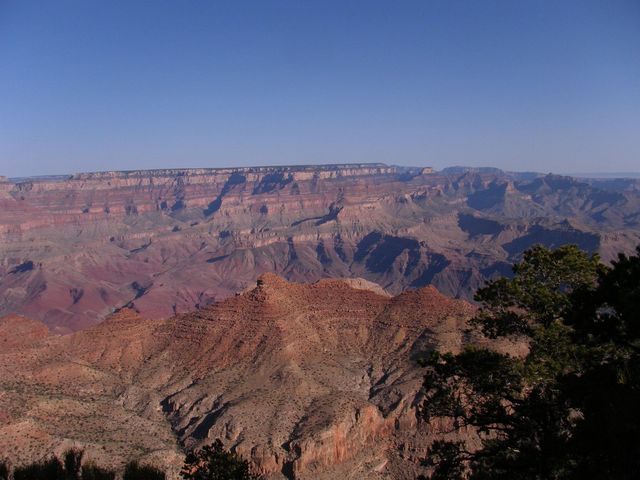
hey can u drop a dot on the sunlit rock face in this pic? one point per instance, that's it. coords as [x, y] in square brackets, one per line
[308, 381]
[73, 249]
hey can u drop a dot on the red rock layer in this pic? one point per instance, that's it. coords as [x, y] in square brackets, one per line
[311, 381]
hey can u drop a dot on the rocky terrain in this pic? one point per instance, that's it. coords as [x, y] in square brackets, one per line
[73, 249]
[312, 381]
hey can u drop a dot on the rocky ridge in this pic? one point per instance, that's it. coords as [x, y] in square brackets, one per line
[309, 381]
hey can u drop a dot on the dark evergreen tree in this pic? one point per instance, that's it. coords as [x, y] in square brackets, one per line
[73, 464]
[49, 469]
[135, 471]
[569, 409]
[71, 468]
[4, 470]
[93, 472]
[213, 462]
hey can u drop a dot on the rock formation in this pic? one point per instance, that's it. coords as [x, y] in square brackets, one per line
[315, 381]
[74, 249]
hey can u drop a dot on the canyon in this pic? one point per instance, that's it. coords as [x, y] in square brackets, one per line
[283, 310]
[75, 249]
[308, 381]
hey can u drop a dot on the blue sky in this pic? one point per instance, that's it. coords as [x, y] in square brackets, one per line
[521, 85]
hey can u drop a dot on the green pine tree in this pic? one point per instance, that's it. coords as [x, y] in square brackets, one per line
[213, 462]
[569, 409]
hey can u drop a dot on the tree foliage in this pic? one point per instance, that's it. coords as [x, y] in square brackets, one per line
[73, 464]
[569, 409]
[4, 470]
[135, 471]
[52, 468]
[91, 471]
[213, 462]
[539, 292]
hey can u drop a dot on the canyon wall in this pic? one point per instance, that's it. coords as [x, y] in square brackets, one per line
[74, 249]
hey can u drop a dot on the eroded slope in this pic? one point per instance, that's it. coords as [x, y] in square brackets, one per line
[308, 381]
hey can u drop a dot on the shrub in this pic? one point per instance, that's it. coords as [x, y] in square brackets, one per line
[70, 468]
[73, 464]
[50, 469]
[135, 471]
[213, 462]
[91, 471]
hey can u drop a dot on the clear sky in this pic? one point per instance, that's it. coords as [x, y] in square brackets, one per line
[522, 85]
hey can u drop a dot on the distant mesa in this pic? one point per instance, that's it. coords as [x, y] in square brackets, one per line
[175, 240]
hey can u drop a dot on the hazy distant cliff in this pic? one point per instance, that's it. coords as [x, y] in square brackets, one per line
[163, 241]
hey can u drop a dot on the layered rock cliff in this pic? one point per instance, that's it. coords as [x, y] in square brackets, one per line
[73, 249]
